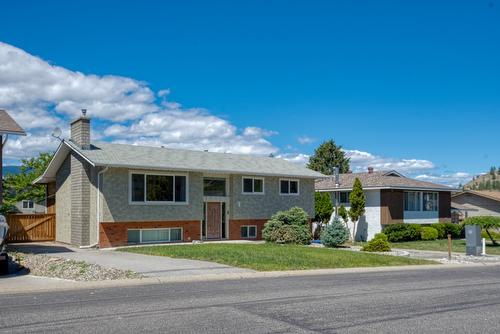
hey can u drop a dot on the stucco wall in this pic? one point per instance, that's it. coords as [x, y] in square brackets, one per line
[253, 206]
[63, 202]
[116, 206]
[369, 224]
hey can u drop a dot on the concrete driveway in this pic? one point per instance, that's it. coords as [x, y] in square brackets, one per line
[147, 265]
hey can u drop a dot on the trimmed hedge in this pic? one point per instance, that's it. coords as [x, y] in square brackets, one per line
[288, 227]
[403, 232]
[379, 243]
[429, 233]
[448, 228]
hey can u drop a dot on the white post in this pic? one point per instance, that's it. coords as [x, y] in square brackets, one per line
[483, 253]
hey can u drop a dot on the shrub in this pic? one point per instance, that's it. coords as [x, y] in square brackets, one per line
[454, 229]
[402, 232]
[290, 227]
[429, 233]
[334, 234]
[379, 243]
[441, 229]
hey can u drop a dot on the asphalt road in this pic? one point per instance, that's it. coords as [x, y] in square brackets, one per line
[461, 300]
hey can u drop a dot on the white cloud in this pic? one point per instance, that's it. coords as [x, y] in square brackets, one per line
[41, 96]
[361, 160]
[451, 179]
[305, 140]
[298, 158]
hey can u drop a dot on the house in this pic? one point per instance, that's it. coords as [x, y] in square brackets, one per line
[470, 203]
[30, 207]
[114, 194]
[391, 198]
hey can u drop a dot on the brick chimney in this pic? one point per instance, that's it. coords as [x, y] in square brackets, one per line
[80, 131]
[370, 170]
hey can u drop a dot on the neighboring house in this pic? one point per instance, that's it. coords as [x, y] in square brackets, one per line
[470, 203]
[114, 194]
[391, 198]
[30, 207]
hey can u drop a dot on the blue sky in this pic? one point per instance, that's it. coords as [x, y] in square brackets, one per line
[414, 84]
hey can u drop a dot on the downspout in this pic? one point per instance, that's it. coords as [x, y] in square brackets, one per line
[98, 197]
[98, 206]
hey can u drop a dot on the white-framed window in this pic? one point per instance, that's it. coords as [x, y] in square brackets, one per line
[154, 235]
[421, 201]
[28, 204]
[248, 231]
[289, 187]
[252, 185]
[344, 197]
[158, 188]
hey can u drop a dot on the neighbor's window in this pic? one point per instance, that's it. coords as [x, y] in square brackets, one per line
[28, 204]
[344, 197]
[430, 201]
[249, 232]
[253, 185]
[289, 187]
[412, 200]
[214, 187]
[151, 188]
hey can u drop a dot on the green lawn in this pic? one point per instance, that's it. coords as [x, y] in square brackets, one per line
[270, 257]
[442, 245]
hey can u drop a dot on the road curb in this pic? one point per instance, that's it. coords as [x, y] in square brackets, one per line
[65, 285]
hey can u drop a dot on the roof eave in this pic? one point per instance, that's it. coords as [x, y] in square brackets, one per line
[387, 187]
[203, 170]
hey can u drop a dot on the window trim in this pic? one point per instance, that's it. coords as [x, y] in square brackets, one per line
[253, 178]
[154, 229]
[248, 230]
[146, 202]
[289, 193]
[28, 202]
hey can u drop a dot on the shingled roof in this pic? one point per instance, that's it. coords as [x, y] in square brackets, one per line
[104, 154]
[9, 126]
[378, 180]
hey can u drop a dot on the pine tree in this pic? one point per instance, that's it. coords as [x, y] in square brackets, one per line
[328, 156]
[357, 200]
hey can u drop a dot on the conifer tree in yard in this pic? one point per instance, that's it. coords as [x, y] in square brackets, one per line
[328, 156]
[357, 200]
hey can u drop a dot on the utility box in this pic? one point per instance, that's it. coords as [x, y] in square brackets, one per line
[473, 244]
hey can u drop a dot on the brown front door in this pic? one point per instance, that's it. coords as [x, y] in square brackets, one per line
[214, 220]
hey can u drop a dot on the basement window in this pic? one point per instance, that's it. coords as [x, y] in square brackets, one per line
[155, 235]
[249, 232]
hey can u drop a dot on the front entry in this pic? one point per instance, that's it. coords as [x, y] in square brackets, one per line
[214, 220]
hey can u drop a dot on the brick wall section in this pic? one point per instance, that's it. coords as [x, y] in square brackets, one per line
[114, 234]
[445, 206]
[80, 200]
[236, 224]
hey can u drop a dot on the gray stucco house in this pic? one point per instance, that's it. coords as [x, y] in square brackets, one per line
[113, 194]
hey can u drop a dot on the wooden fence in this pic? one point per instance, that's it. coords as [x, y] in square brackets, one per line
[35, 227]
